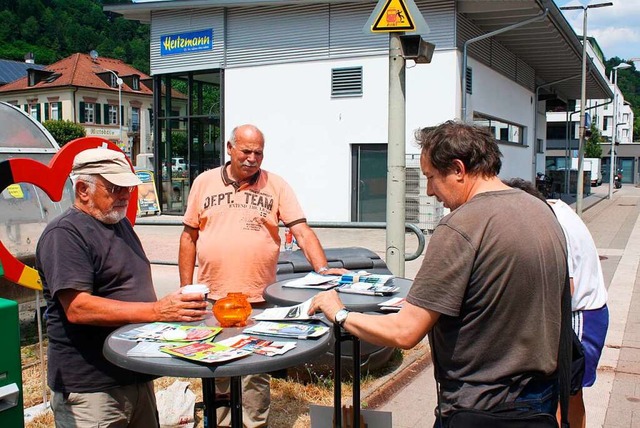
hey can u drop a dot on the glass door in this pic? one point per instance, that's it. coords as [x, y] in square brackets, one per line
[369, 182]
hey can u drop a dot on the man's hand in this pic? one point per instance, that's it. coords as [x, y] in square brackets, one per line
[334, 271]
[181, 307]
[326, 302]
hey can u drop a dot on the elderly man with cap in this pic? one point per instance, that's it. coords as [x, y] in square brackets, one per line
[97, 277]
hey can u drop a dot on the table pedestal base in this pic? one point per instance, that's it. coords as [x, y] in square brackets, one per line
[211, 404]
[341, 336]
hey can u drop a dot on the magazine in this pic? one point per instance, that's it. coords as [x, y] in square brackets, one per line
[206, 352]
[314, 280]
[257, 345]
[287, 329]
[287, 313]
[159, 331]
[392, 305]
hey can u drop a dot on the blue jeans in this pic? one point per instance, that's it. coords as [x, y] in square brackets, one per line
[537, 397]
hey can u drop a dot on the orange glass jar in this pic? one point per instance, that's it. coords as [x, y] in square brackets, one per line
[233, 310]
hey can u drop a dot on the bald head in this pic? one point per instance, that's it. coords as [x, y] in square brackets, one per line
[245, 131]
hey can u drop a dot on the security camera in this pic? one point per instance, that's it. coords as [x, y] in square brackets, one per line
[415, 48]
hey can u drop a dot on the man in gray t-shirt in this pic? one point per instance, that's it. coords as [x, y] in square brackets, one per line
[489, 289]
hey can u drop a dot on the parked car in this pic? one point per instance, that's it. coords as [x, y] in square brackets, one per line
[178, 165]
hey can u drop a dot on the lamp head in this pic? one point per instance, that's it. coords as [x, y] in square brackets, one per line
[622, 66]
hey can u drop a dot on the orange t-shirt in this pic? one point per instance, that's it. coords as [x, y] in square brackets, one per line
[239, 242]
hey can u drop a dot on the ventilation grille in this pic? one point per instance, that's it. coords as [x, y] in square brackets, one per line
[469, 82]
[346, 82]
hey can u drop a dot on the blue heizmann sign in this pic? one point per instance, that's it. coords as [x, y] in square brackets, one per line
[192, 41]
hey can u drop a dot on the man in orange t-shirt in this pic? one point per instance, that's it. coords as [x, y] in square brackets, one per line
[232, 217]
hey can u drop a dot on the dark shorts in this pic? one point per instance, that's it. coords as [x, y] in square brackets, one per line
[591, 328]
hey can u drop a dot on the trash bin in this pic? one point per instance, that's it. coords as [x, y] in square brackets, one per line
[11, 410]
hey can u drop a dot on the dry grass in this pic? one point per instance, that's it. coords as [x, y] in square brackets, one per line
[290, 398]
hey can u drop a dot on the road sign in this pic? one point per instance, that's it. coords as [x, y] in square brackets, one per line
[396, 16]
[393, 17]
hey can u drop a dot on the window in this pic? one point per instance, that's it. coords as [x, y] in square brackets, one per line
[135, 119]
[605, 125]
[34, 111]
[114, 80]
[54, 111]
[346, 82]
[136, 83]
[112, 115]
[502, 131]
[89, 113]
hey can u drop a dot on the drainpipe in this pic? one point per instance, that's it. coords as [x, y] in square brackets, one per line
[482, 37]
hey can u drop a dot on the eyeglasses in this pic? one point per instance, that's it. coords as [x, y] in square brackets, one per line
[115, 190]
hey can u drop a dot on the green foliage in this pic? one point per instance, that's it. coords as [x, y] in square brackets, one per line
[592, 147]
[55, 29]
[64, 130]
[629, 84]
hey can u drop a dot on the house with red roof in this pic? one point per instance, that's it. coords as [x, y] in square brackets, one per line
[110, 98]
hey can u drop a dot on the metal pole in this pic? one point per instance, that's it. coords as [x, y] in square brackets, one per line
[396, 162]
[614, 132]
[120, 115]
[583, 96]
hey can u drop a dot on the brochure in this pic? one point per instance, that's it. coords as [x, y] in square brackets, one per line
[284, 329]
[313, 280]
[151, 349]
[257, 345]
[367, 289]
[365, 278]
[287, 313]
[159, 331]
[206, 352]
[392, 305]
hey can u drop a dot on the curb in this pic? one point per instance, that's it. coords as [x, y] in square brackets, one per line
[383, 389]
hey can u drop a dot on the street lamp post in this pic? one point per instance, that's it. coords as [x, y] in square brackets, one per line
[119, 82]
[583, 96]
[614, 134]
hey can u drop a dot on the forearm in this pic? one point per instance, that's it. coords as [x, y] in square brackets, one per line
[310, 246]
[94, 310]
[186, 259]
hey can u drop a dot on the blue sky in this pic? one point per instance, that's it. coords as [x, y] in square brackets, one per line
[616, 28]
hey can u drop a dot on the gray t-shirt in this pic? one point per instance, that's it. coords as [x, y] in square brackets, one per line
[494, 269]
[78, 252]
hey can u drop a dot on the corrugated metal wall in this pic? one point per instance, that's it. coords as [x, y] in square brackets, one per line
[280, 34]
[165, 23]
[494, 55]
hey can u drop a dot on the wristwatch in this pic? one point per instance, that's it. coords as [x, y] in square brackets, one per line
[341, 316]
[323, 269]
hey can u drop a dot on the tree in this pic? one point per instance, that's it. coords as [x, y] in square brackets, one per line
[592, 147]
[64, 131]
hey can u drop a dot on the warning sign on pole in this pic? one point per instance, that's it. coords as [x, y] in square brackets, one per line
[394, 17]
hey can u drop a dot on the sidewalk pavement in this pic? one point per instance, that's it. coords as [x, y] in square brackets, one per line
[410, 394]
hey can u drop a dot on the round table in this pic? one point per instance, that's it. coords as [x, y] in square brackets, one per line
[285, 296]
[115, 350]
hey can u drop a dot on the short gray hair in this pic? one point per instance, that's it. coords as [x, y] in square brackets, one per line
[232, 136]
[87, 178]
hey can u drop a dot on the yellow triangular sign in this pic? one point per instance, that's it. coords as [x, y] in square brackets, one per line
[393, 17]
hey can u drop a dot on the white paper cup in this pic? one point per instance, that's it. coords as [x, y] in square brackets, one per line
[195, 288]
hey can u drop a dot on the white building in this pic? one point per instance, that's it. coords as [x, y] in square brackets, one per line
[605, 114]
[307, 74]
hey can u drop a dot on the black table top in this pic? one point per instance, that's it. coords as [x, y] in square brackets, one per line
[115, 350]
[282, 296]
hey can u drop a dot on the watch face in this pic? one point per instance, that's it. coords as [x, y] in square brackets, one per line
[341, 316]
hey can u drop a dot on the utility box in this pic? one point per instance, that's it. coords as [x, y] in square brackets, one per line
[11, 410]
